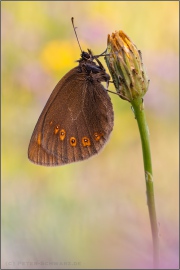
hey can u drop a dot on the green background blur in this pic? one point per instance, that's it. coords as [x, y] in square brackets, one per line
[91, 214]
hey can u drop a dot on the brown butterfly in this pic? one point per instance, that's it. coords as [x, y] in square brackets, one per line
[78, 117]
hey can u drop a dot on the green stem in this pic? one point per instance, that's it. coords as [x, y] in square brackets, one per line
[139, 112]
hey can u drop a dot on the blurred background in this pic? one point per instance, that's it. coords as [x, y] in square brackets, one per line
[91, 214]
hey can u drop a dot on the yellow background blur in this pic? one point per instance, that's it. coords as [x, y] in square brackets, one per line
[91, 214]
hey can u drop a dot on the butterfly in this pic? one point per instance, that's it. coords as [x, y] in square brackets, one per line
[78, 117]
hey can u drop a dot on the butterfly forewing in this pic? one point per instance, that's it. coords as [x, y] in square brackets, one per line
[75, 123]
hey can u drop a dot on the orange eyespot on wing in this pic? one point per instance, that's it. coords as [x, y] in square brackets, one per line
[97, 136]
[86, 141]
[62, 134]
[73, 141]
[56, 129]
[39, 139]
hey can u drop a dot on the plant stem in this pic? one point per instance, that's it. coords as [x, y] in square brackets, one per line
[138, 107]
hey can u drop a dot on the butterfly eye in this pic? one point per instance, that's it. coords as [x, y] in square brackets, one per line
[85, 55]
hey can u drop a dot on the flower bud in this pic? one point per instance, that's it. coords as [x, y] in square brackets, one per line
[124, 62]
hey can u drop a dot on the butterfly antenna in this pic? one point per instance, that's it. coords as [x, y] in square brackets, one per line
[72, 20]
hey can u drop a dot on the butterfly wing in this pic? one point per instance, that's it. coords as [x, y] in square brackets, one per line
[75, 123]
